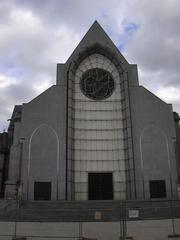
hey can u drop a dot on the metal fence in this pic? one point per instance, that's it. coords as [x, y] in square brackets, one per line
[100, 220]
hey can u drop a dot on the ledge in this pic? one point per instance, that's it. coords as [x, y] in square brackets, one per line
[176, 235]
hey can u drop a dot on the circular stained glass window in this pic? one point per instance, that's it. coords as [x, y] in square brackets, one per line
[97, 84]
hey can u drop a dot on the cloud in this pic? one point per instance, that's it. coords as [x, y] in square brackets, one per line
[169, 94]
[12, 91]
[6, 81]
[155, 47]
[35, 35]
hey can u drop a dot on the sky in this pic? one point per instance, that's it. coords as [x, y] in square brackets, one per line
[35, 35]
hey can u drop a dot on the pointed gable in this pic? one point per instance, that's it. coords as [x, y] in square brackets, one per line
[96, 40]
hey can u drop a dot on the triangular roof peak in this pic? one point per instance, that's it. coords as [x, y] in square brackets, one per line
[97, 33]
[96, 23]
[96, 27]
[97, 36]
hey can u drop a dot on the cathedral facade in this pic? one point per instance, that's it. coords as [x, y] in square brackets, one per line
[95, 135]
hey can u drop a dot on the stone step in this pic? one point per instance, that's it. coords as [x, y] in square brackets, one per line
[68, 211]
[97, 204]
[69, 204]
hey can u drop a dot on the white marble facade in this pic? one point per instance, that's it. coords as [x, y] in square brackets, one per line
[98, 132]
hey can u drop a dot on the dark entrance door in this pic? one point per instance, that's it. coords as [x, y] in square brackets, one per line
[42, 191]
[100, 186]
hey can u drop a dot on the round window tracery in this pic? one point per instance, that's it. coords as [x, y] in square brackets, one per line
[97, 84]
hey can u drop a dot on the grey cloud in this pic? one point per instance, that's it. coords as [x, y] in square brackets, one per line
[156, 44]
[19, 92]
[67, 12]
[155, 47]
[5, 10]
[10, 96]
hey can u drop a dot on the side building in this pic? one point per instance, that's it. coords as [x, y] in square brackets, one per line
[95, 135]
[4, 159]
[6, 141]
